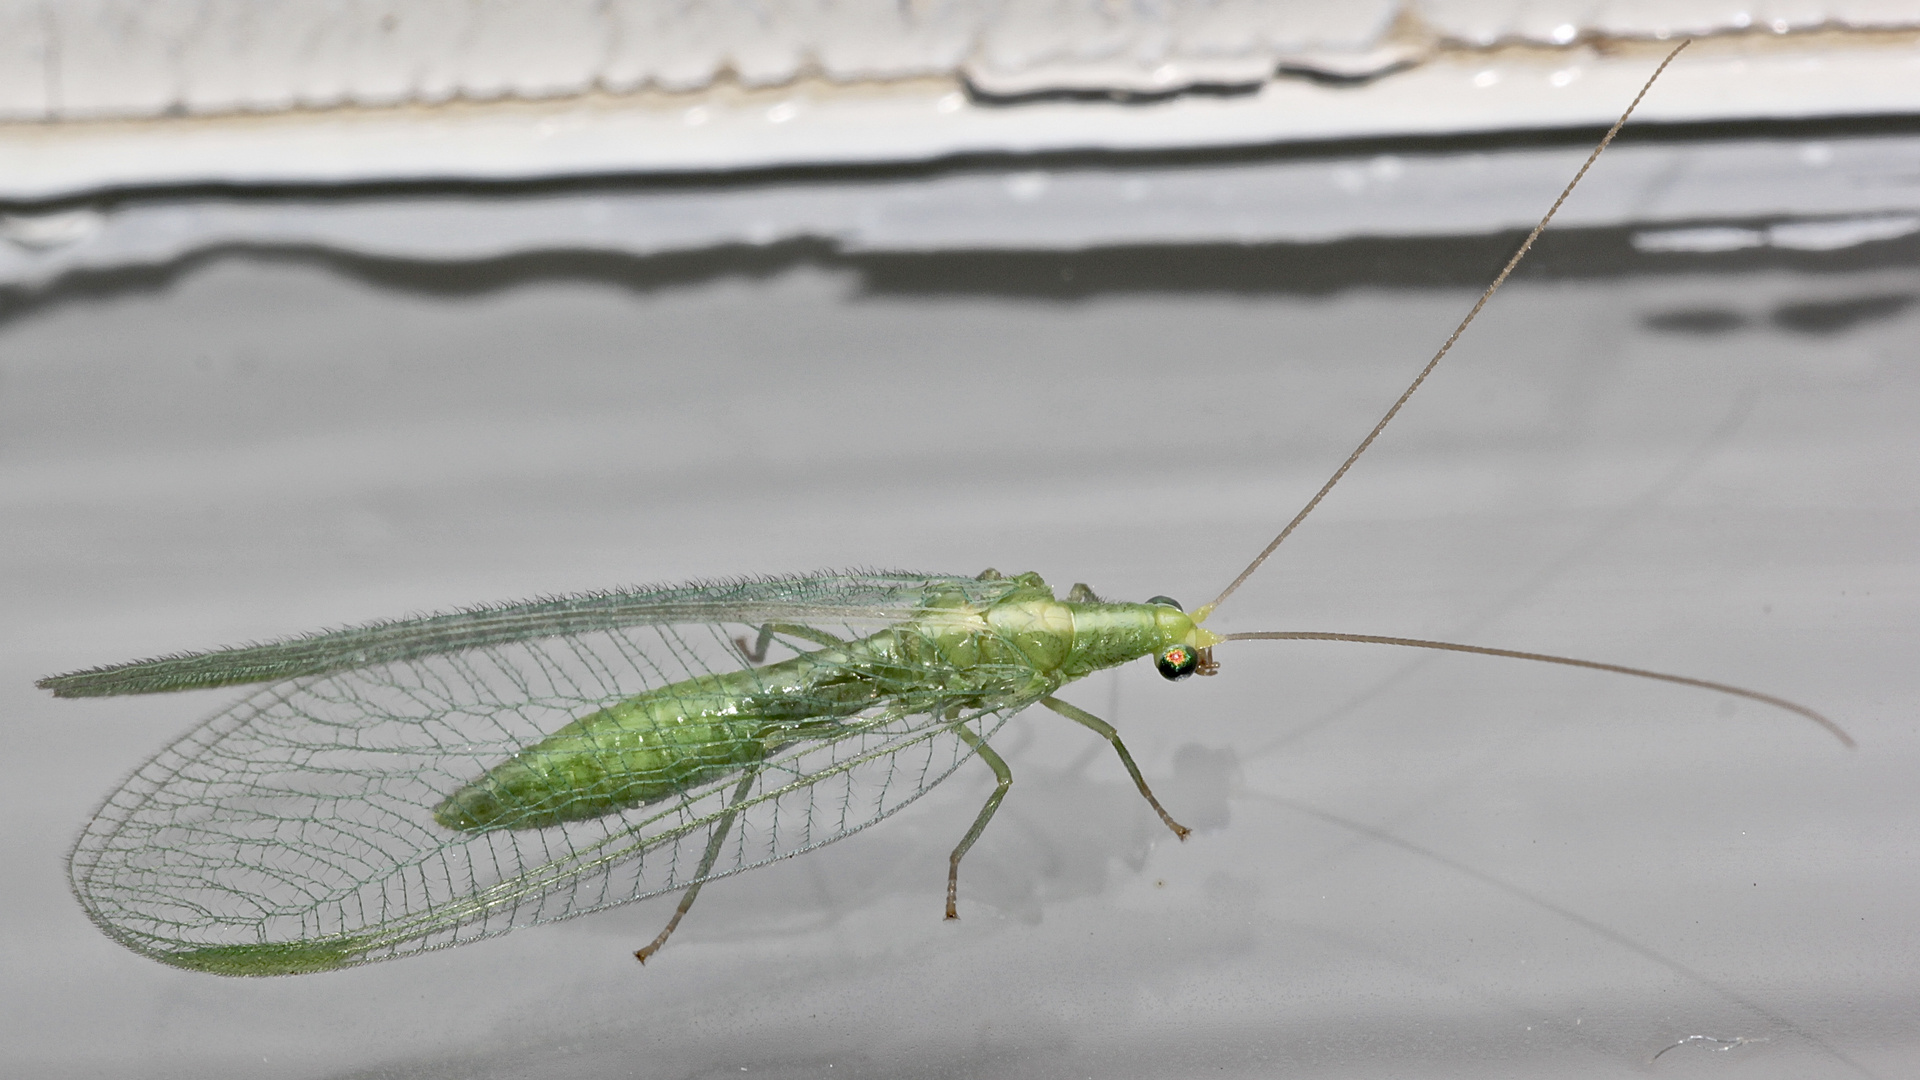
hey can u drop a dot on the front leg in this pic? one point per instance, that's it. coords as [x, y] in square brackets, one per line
[1106, 731]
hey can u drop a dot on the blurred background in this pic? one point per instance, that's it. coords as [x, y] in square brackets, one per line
[316, 313]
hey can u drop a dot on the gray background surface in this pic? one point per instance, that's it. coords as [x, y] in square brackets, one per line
[1404, 864]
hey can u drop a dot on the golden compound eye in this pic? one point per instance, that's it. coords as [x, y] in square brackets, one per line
[1177, 662]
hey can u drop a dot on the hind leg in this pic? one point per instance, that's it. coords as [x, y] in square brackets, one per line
[714, 844]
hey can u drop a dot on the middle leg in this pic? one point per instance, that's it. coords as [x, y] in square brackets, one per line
[999, 766]
[1105, 730]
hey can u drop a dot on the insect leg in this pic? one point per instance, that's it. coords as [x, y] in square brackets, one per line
[757, 652]
[999, 766]
[1105, 730]
[719, 837]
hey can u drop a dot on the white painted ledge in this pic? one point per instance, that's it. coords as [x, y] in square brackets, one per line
[820, 124]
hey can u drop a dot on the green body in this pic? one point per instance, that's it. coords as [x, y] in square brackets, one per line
[953, 655]
[339, 815]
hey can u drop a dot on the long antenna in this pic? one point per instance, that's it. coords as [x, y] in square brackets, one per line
[1545, 658]
[1444, 349]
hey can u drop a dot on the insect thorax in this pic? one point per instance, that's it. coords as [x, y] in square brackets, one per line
[1065, 640]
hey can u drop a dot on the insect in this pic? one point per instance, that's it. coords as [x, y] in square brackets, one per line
[411, 785]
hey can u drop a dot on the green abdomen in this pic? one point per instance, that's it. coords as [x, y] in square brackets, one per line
[646, 748]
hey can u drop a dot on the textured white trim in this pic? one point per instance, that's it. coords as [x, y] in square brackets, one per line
[919, 121]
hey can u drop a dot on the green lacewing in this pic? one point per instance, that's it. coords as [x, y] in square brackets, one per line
[415, 784]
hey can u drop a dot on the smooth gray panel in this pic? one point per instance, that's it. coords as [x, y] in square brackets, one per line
[1404, 864]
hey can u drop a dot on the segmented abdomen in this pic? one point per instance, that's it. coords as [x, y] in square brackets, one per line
[648, 747]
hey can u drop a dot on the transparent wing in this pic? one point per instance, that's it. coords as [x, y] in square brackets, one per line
[854, 599]
[294, 831]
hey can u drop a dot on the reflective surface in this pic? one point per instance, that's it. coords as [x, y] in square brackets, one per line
[1444, 865]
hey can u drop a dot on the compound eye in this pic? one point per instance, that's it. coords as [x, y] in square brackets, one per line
[1166, 601]
[1177, 662]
